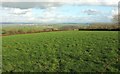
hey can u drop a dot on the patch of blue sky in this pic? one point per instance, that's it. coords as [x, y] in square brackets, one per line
[37, 12]
[78, 11]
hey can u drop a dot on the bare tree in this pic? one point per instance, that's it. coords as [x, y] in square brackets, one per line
[116, 18]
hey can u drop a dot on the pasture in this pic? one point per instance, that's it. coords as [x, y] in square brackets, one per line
[65, 51]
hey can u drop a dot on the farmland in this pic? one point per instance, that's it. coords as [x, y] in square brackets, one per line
[65, 51]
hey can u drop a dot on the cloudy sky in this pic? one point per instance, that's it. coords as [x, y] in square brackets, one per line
[58, 11]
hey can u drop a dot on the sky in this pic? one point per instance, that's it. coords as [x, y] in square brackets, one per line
[58, 11]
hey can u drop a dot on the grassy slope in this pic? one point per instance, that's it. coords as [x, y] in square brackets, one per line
[62, 51]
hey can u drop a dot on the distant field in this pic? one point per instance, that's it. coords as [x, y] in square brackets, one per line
[24, 28]
[65, 51]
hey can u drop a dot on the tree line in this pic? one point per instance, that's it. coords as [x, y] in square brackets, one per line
[95, 26]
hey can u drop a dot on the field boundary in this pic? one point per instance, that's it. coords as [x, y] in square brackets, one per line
[63, 30]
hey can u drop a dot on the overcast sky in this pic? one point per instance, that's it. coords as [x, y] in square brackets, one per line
[58, 11]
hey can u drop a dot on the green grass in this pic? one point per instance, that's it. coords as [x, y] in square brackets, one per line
[67, 51]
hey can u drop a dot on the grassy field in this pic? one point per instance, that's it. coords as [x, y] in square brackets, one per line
[65, 51]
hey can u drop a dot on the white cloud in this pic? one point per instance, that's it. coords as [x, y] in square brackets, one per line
[18, 11]
[16, 15]
[23, 12]
[27, 5]
[50, 12]
[92, 11]
[15, 11]
[24, 4]
[114, 11]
